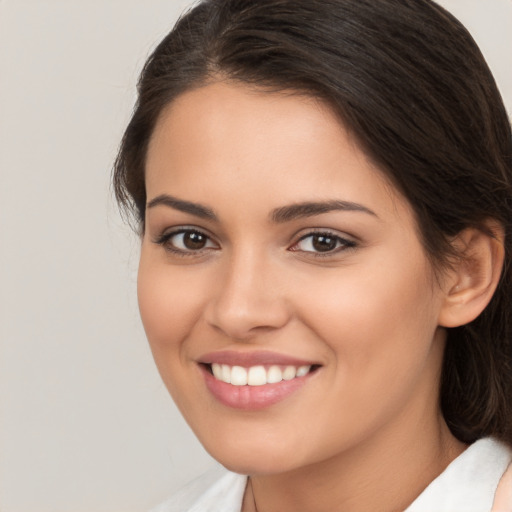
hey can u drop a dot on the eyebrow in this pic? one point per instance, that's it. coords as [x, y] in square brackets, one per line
[279, 215]
[309, 209]
[195, 209]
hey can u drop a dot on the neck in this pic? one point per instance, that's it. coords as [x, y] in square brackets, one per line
[385, 473]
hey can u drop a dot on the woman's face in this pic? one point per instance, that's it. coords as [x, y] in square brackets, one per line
[275, 252]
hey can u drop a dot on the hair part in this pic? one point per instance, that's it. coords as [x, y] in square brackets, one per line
[409, 82]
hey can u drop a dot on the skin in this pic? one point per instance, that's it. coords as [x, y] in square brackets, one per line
[503, 497]
[365, 432]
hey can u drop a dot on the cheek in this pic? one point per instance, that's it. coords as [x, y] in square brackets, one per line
[379, 326]
[379, 321]
[169, 303]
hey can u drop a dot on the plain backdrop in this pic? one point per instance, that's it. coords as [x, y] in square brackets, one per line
[85, 423]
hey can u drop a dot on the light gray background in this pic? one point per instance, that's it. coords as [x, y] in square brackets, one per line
[85, 424]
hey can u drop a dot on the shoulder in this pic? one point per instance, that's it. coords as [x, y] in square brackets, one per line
[469, 483]
[503, 497]
[215, 491]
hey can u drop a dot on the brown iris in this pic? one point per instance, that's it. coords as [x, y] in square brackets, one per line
[194, 241]
[324, 243]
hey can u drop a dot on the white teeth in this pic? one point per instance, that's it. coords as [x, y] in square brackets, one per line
[238, 376]
[256, 375]
[274, 375]
[289, 373]
[226, 374]
[217, 371]
[303, 370]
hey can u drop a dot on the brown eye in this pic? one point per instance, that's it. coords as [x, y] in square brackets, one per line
[323, 243]
[194, 241]
[186, 241]
[317, 243]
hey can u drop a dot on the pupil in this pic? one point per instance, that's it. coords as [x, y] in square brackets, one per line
[194, 240]
[323, 243]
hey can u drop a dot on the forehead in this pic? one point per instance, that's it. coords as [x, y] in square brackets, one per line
[231, 143]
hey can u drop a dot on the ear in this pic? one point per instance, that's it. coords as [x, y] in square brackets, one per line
[472, 281]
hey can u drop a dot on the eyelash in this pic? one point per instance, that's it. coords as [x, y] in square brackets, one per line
[342, 244]
[165, 240]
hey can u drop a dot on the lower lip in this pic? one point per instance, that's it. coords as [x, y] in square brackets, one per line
[251, 398]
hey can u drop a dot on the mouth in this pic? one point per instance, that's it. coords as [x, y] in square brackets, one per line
[259, 375]
[254, 381]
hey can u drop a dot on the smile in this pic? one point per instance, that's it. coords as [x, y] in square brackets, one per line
[253, 381]
[257, 375]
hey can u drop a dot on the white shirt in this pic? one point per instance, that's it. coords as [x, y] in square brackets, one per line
[468, 484]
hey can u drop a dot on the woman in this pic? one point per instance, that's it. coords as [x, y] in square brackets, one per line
[323, 191]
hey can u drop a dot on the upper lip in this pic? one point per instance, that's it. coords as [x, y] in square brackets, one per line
[248, 359]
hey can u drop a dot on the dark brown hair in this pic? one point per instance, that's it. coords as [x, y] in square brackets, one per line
[409, 82]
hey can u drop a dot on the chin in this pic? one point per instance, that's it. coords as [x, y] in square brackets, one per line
[253, 459]
[255, 465]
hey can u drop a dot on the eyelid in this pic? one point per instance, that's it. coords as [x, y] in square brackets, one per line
[347, 242]
[180, 228]
[343, 235]
[344, 240]
[167, 234]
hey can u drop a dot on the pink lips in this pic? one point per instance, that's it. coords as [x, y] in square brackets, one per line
[251, 397]
[247, 359]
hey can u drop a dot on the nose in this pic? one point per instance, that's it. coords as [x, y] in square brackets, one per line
[249, 298]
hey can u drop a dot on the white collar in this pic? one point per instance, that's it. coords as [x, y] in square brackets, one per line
[468, 484]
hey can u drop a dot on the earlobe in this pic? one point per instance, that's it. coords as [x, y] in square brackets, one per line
[472, 281]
